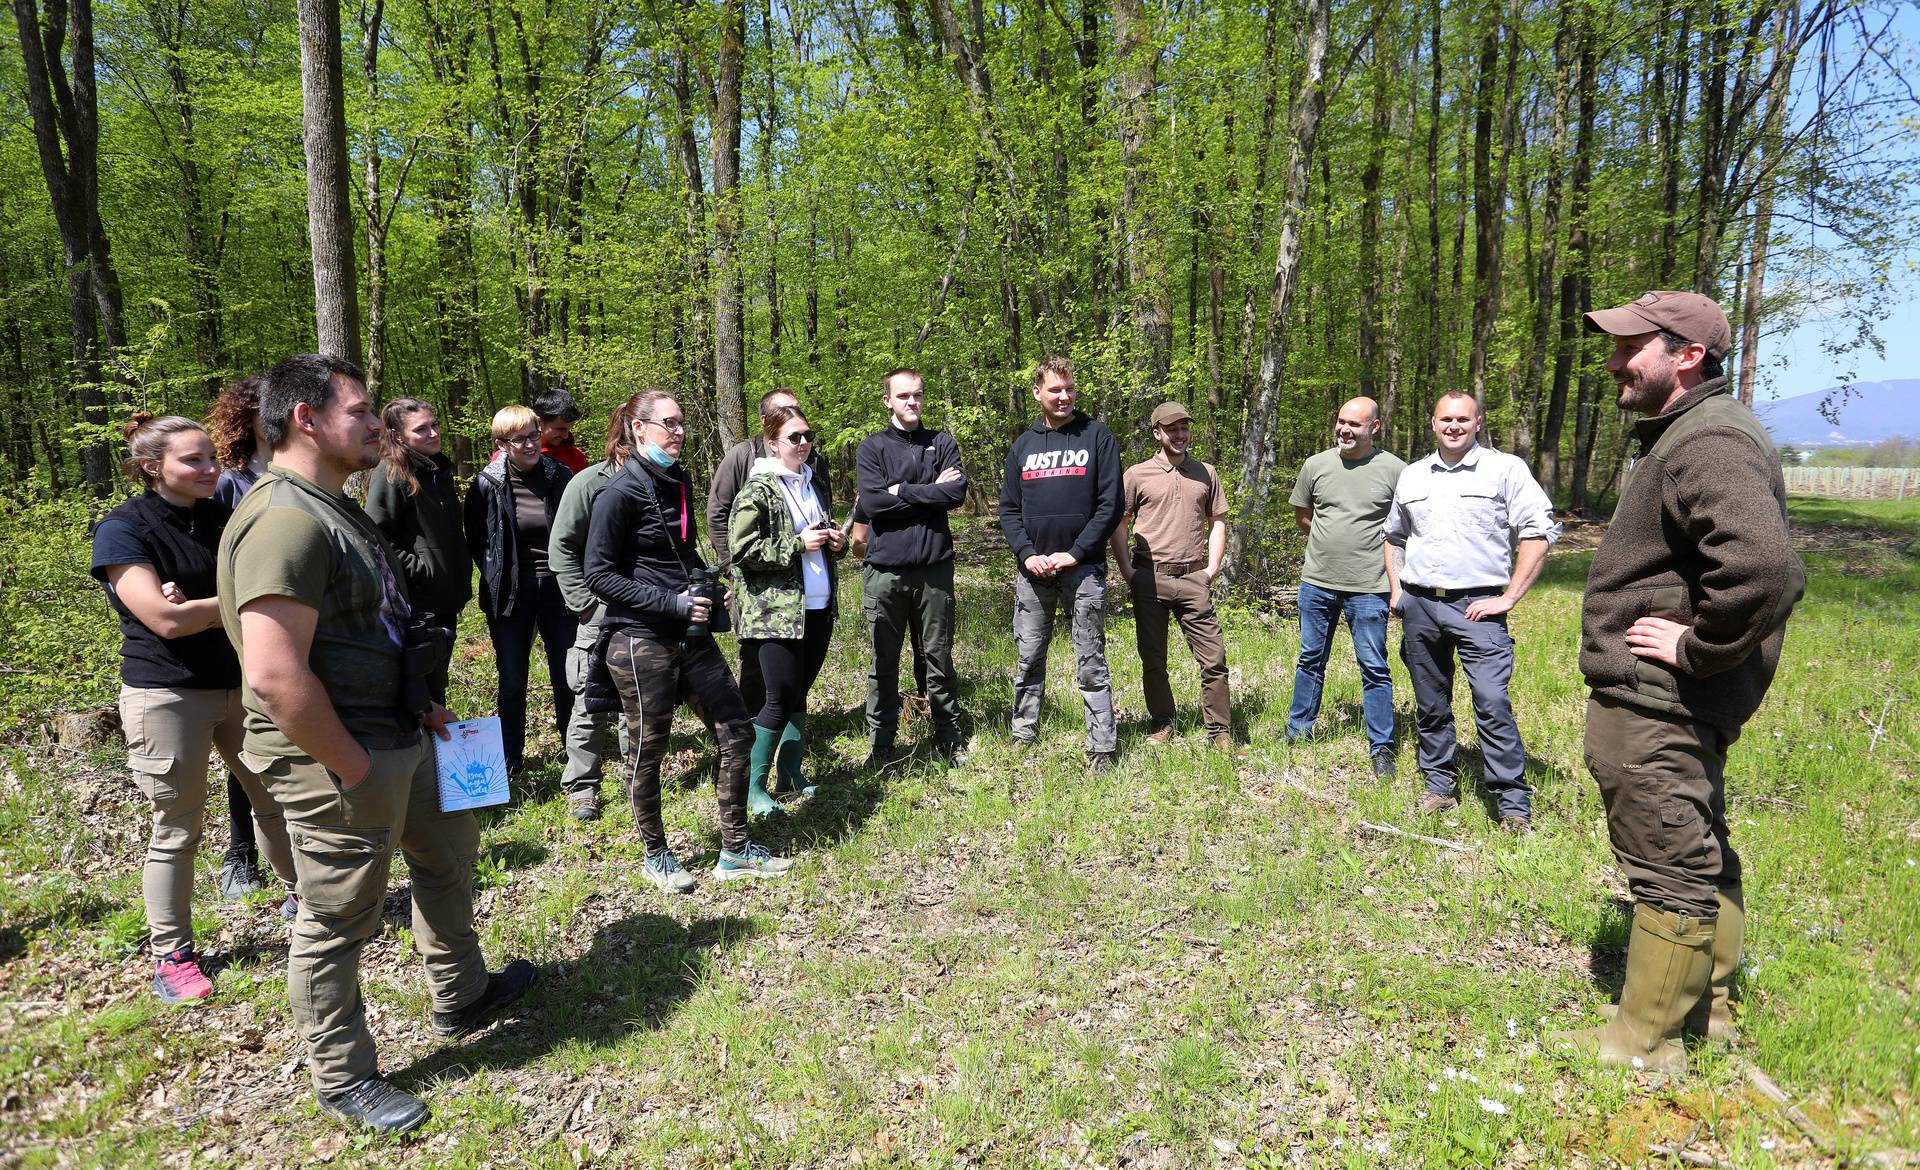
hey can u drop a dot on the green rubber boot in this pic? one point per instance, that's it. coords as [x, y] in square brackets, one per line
[1669, 965]
[759, 803]
[792, 750]
[1712, 1017]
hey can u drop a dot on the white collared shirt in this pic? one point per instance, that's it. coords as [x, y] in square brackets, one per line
[1459, 522]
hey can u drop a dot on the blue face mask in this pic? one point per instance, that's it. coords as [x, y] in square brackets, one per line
[660, 458]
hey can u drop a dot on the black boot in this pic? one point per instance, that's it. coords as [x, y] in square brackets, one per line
[377, 1104]
[504, 987]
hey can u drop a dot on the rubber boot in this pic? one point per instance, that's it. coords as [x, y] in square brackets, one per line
[759, 804]
[1712, 1017]
[1669, 966]
[793, 750]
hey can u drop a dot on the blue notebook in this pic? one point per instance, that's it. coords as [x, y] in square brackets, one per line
[472, 766]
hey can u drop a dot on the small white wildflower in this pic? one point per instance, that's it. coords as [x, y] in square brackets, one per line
[1779, 734]
[1479, 1054]
[1519, 1090]
[1513, 1026]
[1910, 863]
[1768, 1143]
[1433, 1086]
[1451, 1073]
[1639, 1064]
[1467, 1076]
[1492, 1106]
[1422, 1114]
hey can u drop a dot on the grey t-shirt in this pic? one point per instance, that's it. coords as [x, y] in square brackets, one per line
[1349, 499]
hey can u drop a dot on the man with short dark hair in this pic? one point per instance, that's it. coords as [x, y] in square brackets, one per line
[1178, 510]
[557, 412]
[909, 479]
[1680, 634]
[728, 478]
[1059, 503]
[1466, 536]
[335, 695]
[1341, 501]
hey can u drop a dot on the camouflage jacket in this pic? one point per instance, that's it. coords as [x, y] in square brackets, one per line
[769, 594]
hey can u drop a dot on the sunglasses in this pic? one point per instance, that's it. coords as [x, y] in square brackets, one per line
[799, 437]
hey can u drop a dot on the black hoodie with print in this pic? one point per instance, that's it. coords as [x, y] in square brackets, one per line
[1061, 492]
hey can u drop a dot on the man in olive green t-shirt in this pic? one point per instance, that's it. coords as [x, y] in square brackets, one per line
[1341, 503]
[310, 599]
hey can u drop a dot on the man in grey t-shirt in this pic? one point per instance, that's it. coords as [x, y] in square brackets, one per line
[1341, 503]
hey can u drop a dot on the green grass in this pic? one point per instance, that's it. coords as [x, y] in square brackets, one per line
[1191, 961]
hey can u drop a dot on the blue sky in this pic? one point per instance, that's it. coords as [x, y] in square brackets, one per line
[1795, 363]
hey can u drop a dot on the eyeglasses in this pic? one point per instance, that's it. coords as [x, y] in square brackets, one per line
[531, 439]
[799, 437]
[667, 424]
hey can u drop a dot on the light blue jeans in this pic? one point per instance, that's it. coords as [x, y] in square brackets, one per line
[1320, 611]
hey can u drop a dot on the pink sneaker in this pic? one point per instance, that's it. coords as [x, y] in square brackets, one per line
[179, 979]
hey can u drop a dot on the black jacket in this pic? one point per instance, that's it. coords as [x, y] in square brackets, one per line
[641, 549]
[908, 527]
[1061, 492]
[427, 533]
[492, 531]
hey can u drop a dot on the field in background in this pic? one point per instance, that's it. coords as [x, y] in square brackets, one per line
[1190, 961]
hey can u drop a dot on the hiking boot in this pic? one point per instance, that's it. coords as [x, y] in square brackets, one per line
[754, 862]
[177, 978]
[951, 752]
[1161, 733]
[504, 988]
[664, 870]
[1517, 824]
[376, 1104]
[1669, 969]
[1383, 768]
[1024, 744]
[290, 909]
[1103, 761]
[239, 877]
[1223, 742]
[1430, 804]
[883, 756]
[583, 804]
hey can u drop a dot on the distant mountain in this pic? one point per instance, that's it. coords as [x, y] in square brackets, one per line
[1871, 412]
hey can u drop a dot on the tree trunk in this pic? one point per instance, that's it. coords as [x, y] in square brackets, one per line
[1256, 448]
[66, 131]
[729, 325]
[1136, 62]
[336, 296]
[1548, 259]
[1370, 220]
[372, 199]
[1573, 283]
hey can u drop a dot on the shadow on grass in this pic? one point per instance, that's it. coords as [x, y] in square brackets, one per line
[82, 910]
[1607, 952]
[638, 973]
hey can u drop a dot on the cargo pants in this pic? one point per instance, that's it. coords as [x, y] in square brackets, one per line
[1082, 590]
[587, 733]
[916, 601]
[343, 845]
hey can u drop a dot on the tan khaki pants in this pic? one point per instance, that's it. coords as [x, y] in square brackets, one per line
[1156, 598]
[169, 734]
[343, 843]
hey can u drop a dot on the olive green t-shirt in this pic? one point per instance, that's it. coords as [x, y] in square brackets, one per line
[292, 538]
[1350, 499]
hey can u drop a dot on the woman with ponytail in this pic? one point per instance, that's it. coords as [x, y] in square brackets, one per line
[411, 496]
[179, 678]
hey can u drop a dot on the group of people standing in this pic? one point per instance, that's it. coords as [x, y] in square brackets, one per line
[267, 616]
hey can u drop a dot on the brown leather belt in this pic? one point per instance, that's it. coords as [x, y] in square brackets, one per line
[1176, 568]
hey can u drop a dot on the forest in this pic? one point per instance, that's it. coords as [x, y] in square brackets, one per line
[1260, 210]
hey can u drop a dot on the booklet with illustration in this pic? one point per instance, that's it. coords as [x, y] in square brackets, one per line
[472, 765]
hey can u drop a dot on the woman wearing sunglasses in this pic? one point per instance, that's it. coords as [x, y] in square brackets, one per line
[784, 544]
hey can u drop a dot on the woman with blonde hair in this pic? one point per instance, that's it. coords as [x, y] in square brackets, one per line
[179, 677]
[411, 496]
[509, 516]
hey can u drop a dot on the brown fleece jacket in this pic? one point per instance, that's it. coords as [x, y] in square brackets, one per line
[1700, 537]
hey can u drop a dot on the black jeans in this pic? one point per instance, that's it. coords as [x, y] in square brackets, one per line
[788, 667]
[539, 608]
[653, 677]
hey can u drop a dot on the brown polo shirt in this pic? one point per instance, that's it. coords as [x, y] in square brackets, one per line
[1172, 508]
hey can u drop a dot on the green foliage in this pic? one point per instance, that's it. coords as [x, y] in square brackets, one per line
[59, 642]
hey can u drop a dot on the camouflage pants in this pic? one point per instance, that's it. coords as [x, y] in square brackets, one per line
[652, 676]
[1082, 590]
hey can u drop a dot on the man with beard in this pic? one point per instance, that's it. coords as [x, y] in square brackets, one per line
[309, 596]
[1680, 634]
[1341, 502]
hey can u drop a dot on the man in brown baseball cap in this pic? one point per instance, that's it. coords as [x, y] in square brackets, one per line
[1169, 546]
[1681, 629]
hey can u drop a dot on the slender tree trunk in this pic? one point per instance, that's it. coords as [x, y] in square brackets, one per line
[1256, 457]
[1547, 262]
[1430, 369]
[1136, 62]
[1370, 217]
[336, 294]
[729, 324]
[373, 201]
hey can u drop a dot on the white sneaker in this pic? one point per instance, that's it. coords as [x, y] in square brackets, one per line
[664, 870]
[756, 862]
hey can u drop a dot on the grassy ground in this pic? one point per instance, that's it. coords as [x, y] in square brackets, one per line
[1192, 961]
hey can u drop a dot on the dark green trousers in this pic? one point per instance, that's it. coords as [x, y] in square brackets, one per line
[916, 600]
